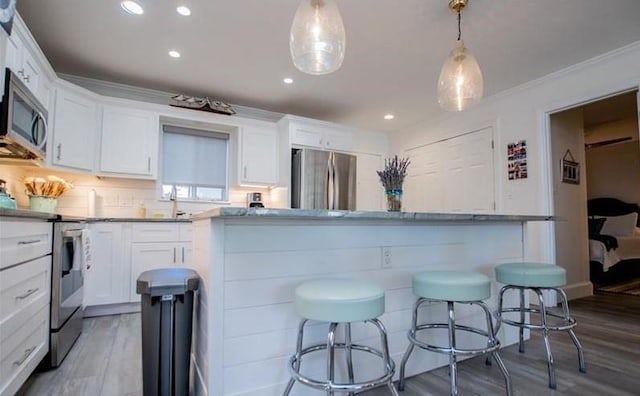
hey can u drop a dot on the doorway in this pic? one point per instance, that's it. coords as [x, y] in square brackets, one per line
[595, 153]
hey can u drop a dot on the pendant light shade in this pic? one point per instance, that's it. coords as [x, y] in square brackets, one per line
[317, 40]
[460, 85]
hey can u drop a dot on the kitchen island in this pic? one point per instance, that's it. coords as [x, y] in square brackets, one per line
[251, 260]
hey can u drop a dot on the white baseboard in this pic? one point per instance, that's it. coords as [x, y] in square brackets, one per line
[111, 309]
[578, 290]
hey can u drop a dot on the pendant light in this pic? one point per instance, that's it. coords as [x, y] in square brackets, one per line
[460, 84]
[317, 39]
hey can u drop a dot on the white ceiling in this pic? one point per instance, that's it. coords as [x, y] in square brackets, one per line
[237, 50]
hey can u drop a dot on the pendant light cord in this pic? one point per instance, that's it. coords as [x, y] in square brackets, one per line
[459, 19]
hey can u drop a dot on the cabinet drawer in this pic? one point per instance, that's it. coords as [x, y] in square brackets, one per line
[185, 232]
[150, 232]
[22, 351]
[23, 284]
[22, 241]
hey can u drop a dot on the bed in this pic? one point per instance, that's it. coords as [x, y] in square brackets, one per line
[614, 239]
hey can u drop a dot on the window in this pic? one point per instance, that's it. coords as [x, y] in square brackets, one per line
[195, 163]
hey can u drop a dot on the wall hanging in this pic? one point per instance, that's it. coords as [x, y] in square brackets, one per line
[570, 169]
[517, 160]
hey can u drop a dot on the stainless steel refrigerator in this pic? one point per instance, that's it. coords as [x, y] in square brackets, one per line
[322, 180]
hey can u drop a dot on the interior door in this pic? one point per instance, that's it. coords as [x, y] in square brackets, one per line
[453, 175]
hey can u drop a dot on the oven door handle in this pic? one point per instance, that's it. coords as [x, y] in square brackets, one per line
[72, 233]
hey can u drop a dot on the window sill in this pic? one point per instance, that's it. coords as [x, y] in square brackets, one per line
[194, 201]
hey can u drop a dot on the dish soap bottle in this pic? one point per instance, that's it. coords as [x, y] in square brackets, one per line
[142, 211]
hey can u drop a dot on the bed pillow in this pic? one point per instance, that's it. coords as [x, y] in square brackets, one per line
[636, 232]
[595, 226]
[624, 225]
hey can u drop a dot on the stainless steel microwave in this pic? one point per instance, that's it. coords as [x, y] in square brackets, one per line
[23, 121]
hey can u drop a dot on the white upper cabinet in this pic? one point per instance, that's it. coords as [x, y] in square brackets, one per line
[129, 144]
[22, 63]
[25, 59]
[318, 134]
[75, 128]
[259, 155]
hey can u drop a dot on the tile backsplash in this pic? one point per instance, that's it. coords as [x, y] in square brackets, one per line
[117, 197]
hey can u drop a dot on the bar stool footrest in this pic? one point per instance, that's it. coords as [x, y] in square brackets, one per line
[494, 344]
[570, 322]
[340, 387]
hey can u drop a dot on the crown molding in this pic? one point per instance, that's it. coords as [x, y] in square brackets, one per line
[123, 91]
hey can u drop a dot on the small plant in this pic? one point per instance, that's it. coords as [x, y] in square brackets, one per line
[394, 172]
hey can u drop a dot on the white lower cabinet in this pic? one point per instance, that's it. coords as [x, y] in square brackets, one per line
[109, 265]
[25, 291]
[158, 245]
[120, 252]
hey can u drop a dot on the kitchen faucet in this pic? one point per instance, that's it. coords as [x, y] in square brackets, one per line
[173, 197]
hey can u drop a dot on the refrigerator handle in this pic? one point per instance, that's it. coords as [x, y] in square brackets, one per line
[330, 182]
[336, 184]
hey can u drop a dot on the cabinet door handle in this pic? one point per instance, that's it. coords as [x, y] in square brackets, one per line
[328, 143]
[30, 242]
[149, 164]
[21, 72]
[244, 172]
[320, 142]
[59, 151]
[174, 255]
[183, 255]
[27, 293]
[26, 78]
[27, 353]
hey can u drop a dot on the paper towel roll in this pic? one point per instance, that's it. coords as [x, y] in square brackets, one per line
[91, 203]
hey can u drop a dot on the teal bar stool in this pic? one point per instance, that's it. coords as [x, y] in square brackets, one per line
[453, 287]
[538, 277]
[340, 302]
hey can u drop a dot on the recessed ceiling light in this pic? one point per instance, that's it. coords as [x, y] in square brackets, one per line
[132, 7]
[174, 54]
[183, 10]
[288, 80]
[389, 116]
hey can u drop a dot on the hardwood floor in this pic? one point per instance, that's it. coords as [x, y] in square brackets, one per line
[106, 359]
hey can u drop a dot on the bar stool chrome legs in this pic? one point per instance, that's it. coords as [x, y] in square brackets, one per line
[493, 345]
[537, 277]
[340, 302]
[330, 386]
[453, 287]
[567, 323]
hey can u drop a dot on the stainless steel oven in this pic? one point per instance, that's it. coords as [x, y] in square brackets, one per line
[66, 288]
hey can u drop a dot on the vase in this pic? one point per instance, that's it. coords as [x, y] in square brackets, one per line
[42, 204]
[394, 200]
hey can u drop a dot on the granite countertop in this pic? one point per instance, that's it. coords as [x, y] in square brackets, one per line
[136, 220]
[320, 214]
[27, 214]
[30, 214]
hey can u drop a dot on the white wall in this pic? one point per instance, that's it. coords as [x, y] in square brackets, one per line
[614, 171]
[520, 113]
[570, 202]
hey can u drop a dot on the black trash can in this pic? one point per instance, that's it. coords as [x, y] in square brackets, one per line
[167, 313]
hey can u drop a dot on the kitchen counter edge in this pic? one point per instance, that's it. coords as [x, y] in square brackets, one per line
[30, 214]
[319, 214]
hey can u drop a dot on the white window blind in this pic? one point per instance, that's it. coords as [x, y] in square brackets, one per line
[194, 158]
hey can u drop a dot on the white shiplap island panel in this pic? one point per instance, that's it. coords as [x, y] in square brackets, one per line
[251, 260]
